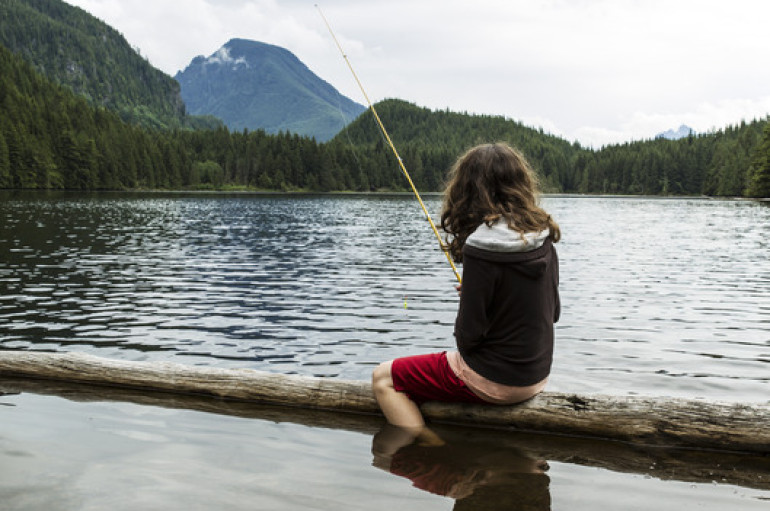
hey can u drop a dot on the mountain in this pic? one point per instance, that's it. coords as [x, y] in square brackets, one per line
[254, 85]
[683, 131]
[52, 138]
[73, 48]
[430, 140]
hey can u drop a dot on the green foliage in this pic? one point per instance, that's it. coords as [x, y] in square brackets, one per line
[714, 164]
[759, 174]
[429, 142]
[207, 174]
[5, 163]
[711, 164]
[74, 49]
[51, 138]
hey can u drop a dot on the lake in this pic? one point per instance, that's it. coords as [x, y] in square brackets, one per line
[664, 297]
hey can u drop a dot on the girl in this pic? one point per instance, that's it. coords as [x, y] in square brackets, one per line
[509, 298]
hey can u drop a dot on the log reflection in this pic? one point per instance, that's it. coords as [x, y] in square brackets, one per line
[472, 446]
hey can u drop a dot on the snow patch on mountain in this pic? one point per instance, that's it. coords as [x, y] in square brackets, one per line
[222, 56]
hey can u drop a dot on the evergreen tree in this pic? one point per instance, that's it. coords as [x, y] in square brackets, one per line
[5, 163]
[51, 138]
[759, 183]
[75, 49]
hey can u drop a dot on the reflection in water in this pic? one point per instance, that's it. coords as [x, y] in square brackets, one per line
[75, 446]
[479, 476]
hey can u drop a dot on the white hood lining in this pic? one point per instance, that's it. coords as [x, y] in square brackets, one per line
[500, 238]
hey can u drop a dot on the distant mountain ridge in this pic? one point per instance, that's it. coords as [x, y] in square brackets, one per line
[254, 85]
[681, 132]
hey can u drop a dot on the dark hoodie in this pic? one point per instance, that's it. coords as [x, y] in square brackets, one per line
[508, 305]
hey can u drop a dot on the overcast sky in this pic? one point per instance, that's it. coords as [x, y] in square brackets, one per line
[592, 71]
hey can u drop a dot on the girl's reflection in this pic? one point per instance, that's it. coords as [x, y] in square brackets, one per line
[478, 475]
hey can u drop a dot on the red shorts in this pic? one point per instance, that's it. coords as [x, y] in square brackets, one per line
[429, 378]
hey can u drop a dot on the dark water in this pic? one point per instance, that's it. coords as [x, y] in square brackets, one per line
[660, 297]
[64, 448]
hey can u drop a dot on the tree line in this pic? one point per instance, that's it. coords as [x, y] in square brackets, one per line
[728, 162]
[722, 163]
[51, 138]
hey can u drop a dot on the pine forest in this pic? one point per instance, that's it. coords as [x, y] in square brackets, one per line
[53, 135]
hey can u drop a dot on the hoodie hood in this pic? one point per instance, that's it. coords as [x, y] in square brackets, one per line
[529, 254]
[501, 238]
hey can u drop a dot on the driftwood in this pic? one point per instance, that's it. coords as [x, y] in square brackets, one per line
[653, 421]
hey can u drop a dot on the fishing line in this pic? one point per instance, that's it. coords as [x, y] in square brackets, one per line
[444, 248]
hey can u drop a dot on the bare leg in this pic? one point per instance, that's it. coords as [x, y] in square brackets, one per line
[399, 410]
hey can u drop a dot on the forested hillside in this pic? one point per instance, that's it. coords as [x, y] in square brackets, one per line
[717, 164]
[759, 175]
[723, 163]
[51, 138]
[74, 49]
[429, 141]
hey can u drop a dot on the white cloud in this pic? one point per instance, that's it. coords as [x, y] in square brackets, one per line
[704, 118]
[599, 71]
[222, 56]
[595, 137]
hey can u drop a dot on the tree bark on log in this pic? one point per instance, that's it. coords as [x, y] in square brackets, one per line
[654, 421]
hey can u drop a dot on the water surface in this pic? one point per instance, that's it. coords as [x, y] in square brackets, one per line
[64, 447]
[660, 296]
[665, 297]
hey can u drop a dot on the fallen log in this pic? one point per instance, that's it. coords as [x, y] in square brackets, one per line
[652, 421]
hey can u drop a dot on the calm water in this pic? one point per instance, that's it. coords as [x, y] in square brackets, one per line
[659, 297]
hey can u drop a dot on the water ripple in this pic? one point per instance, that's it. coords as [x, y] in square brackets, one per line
[659, 296]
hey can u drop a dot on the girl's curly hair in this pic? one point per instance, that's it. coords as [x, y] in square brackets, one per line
[487, 183]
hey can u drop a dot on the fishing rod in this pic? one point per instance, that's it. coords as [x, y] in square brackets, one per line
[393, 148]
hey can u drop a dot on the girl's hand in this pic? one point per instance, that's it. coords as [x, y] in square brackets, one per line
[459, 288]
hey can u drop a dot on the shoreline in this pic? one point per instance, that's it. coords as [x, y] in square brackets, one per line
[350, 193]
